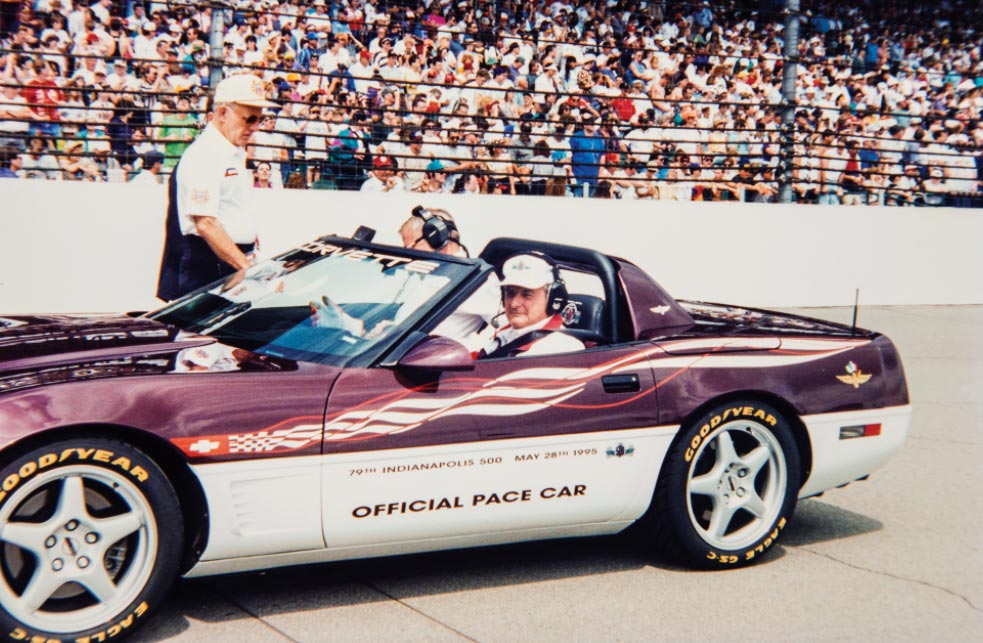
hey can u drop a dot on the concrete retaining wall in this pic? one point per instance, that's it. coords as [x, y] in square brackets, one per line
[68, 246]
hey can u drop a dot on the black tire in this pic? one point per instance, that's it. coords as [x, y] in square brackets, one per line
[727, 488]
[90, 539]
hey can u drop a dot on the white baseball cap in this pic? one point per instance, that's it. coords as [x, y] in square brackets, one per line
[244, 89]
[527, 271]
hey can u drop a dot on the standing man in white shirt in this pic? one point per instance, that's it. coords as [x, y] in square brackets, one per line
[211, 228]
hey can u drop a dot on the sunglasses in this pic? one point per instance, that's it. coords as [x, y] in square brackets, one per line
[252, 119]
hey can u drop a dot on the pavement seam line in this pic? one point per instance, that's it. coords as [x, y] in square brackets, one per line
[420, 612]
[890, 575]
[259, 618]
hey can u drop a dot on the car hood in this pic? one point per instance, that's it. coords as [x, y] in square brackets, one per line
[36, 337]
[47, 349]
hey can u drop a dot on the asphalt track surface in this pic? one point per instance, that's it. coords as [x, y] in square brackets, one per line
[896, 558]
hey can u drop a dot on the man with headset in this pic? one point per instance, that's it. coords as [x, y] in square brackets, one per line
[432, 229]
[533, 294]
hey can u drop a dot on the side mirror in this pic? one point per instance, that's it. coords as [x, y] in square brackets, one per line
[437, 354]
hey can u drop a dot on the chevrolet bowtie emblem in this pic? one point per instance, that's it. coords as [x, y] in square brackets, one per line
[854, 376]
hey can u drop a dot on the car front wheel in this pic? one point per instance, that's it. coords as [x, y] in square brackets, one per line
[90, 537]
[728, 486]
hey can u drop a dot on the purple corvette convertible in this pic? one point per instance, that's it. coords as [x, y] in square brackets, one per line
[311, 408]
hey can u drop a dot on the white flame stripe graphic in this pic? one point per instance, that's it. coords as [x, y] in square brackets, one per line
[726, 360]
[402, 411]
[409, 413]
[569, 374]
[375, 429]
[710, 343]
[532, 374]
[765, 343]
[812, 344]
[517, 401]
[505, 410]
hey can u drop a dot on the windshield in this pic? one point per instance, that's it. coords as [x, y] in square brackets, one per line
[325, 302]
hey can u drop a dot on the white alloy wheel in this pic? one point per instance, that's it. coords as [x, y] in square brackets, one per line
[90, 537]
[736, 485]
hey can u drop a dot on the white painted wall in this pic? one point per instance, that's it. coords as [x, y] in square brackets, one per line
[73, 247]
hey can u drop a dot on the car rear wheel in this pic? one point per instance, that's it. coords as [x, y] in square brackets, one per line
[90, 536]
[728, 486]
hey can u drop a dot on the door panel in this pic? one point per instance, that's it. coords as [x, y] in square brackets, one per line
[491, 487]
[475, 452]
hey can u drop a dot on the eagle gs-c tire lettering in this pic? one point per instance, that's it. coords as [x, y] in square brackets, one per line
[90, 538]
[728, 486]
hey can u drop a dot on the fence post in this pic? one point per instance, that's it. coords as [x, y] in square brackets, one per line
[790, 59]
[216, 59]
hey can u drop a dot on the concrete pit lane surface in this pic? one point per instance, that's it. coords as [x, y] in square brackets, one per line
[895, 558]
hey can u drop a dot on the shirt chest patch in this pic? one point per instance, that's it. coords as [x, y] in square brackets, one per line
[231, 172]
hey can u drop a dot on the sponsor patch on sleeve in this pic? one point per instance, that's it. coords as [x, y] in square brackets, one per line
[200, 195]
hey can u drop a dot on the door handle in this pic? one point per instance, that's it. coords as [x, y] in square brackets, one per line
[497, 433]
[628, 383]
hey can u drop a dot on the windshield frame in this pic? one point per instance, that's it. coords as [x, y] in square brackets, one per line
[458, 285]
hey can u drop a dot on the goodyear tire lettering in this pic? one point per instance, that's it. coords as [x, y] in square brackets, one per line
[117, 628]
[729, 413]
[20, 635]
[121, 466]
[31, 467]
[723, 559]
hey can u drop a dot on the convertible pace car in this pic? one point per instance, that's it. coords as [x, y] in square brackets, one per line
[312, 409]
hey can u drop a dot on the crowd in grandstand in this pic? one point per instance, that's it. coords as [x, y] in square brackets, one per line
[628, 99]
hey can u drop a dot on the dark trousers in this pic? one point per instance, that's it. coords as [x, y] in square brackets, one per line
[200, 266]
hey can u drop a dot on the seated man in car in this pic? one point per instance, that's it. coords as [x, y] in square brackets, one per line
[533, 294]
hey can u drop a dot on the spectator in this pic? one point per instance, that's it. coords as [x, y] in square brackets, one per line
[644, 182]
[121, 134]
[16, 116]
[935, 187]
[261, 175]
[76, 167]
[44, 97]
[267, 145]
[414, 160]
[521, 152]
[498, 167]
[348, 154]
[559, 146]
[382, 177]
[151, 170]
[586, 149]
[38, 161]
[436, 177]
[540, 168]
[10, 163]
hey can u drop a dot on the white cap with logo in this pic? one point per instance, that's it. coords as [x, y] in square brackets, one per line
[527, 271]
[244, 89]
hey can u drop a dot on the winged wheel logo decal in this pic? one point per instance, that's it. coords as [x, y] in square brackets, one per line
[854, 376]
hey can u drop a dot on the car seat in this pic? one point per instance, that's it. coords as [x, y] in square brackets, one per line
[583, 318]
